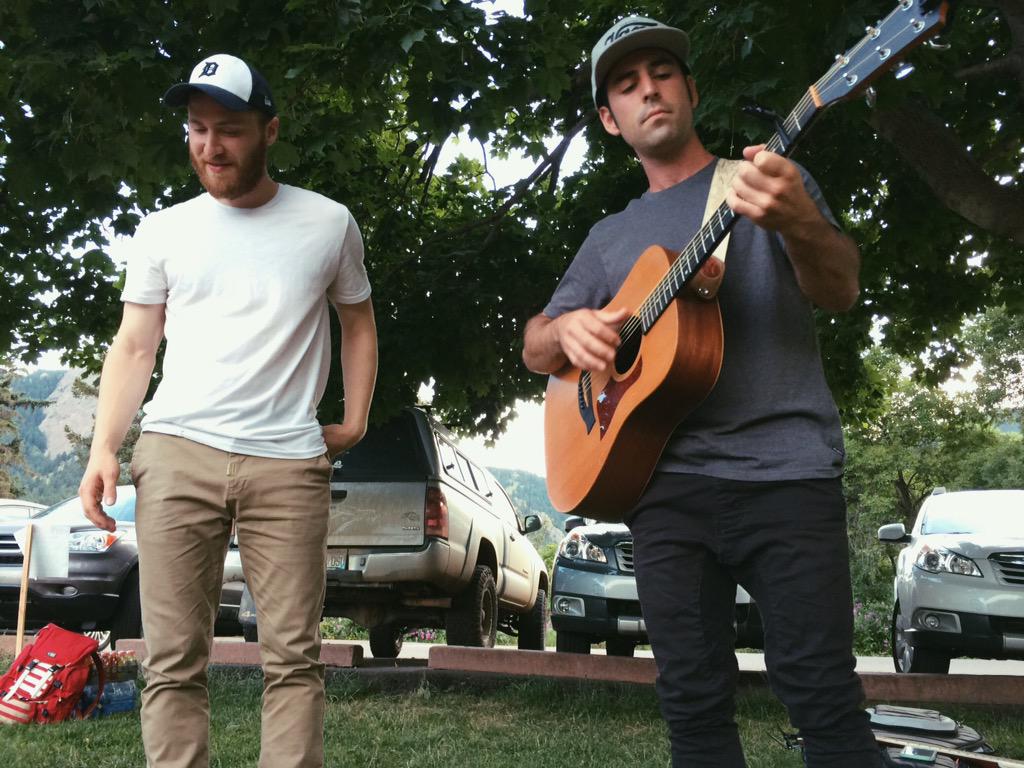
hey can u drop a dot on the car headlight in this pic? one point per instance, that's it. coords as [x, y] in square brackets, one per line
[576, 546]
[938, 560]
[93, 541]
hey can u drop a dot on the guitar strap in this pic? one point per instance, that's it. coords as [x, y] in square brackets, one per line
[708, 280]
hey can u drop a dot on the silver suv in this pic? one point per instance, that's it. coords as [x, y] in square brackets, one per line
[959, 587]
[594, 598]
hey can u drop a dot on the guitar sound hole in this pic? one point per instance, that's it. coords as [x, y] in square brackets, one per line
[628, 352]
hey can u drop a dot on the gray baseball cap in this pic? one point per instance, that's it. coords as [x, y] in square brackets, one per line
[631, 34]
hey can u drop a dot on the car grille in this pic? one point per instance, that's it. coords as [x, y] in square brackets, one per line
[624, 553]
[1010, 566]
[624, 608]
[9, 552]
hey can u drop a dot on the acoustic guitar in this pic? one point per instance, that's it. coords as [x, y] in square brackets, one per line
[604, 433]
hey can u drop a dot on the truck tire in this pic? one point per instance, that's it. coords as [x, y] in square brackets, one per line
[127, 621]
[473, 617]
[572, 642]
[619, 646]
[533, 626]
[250, 633]
[100, 636]
[386, 641]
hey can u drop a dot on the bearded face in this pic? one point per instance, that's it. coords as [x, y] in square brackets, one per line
[228, 175]
[228, 149]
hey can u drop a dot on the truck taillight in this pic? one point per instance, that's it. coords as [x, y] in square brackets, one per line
[435, 514]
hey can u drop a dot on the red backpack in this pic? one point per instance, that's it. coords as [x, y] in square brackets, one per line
[46, 680]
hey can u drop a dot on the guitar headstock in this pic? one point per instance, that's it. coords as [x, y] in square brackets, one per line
[910, 24]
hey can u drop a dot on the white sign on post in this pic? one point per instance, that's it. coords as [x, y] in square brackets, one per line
[49, 550]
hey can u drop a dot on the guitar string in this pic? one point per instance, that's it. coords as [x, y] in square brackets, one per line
[664, 290]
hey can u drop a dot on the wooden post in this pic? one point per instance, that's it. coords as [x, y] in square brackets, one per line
[23, 596]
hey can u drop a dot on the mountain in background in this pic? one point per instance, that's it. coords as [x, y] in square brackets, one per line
[54, 471]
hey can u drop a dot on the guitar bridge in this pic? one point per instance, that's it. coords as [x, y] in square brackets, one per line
[585, 400]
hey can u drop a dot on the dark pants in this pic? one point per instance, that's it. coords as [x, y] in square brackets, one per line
[695, 538]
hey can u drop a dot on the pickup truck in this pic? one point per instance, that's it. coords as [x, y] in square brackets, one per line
[421, 536]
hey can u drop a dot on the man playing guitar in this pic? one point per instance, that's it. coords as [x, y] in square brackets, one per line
[748, 489]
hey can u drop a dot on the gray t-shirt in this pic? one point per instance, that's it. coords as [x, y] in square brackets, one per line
[771, 415]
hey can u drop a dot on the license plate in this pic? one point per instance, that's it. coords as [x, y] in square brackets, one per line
[336, 562]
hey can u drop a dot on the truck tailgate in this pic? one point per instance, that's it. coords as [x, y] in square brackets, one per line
[376, 514]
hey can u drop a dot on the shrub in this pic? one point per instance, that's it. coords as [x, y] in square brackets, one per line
[871, 626]
[342, 629]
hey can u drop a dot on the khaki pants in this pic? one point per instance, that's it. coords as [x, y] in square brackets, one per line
[188, 495]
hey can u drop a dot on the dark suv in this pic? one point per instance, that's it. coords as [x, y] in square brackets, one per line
[594, 598]
[101, 592]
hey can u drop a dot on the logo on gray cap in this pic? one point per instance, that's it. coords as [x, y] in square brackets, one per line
[631, 34]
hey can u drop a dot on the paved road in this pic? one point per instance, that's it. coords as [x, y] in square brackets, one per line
[754, 662]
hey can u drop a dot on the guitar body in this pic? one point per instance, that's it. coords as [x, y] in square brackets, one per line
[603, 441]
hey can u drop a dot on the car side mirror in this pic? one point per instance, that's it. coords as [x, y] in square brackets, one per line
[894, 533]
[573, 522]
[531, 523]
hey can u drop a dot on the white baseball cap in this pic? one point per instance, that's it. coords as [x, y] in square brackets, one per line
[229, 80]
[631, 34]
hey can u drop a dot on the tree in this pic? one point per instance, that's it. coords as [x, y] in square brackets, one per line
[996, 339]
[371, 91]
[10, 440]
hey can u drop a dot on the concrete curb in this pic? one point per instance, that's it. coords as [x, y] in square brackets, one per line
[542, 664]
[235, 653]
[450, 665]
[878, 686]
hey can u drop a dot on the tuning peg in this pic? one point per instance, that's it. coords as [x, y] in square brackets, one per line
[871, 96]
[903, 70]
[935, 45]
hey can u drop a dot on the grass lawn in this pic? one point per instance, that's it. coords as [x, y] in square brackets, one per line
[534, 723]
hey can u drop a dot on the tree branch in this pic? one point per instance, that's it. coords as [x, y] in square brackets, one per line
[548, 163]
[941, 160]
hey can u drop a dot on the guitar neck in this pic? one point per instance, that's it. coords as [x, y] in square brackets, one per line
[708, 237]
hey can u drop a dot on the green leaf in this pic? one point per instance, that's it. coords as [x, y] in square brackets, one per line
[284, 155]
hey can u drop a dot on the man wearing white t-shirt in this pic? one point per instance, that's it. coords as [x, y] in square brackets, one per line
[238, 282]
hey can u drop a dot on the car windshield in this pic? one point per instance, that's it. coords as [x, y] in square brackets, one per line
[69, 511]
[997, 512]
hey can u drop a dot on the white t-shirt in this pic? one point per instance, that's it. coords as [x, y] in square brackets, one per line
[247, 326]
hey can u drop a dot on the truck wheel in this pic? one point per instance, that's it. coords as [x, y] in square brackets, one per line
[127, 621]
[533, 626]
[386, 641]
[100, 636]
[251, 633]
[619, 646]
[473, 618]
[571, 642]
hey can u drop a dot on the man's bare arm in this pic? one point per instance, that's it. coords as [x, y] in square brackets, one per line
[359, 373]
[126, 373]
[769, 190]
[587, 338]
